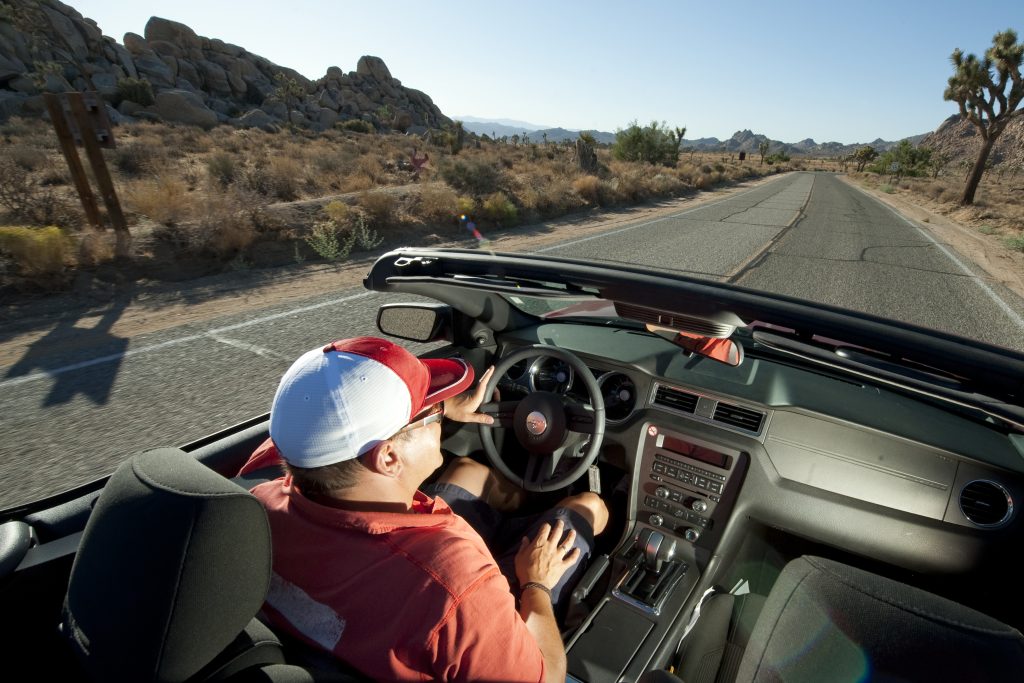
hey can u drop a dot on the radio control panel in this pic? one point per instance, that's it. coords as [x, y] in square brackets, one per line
[687, 484]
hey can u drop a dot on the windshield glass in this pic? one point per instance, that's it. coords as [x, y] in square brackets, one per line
[190, 197]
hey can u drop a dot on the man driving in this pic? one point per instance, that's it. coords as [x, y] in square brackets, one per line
[394, 580]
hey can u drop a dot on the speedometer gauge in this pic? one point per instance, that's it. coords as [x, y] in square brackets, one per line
[551, 374]
[619, 393]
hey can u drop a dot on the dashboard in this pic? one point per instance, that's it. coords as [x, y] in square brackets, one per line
[822, 456]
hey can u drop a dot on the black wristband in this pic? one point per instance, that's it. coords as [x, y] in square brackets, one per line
[534, 584]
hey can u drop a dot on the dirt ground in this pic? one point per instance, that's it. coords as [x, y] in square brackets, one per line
[152, 307]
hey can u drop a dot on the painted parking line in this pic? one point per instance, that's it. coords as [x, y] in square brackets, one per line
[208, 334]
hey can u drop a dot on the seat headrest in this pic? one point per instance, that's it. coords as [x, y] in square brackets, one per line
[173, 563]
[823, 619]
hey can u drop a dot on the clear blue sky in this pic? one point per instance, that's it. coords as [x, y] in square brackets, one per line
[828, 70]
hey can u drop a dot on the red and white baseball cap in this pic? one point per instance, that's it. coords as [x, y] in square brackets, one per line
[338, 402]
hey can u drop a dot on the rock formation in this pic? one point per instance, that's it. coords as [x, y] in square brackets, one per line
[47, 46]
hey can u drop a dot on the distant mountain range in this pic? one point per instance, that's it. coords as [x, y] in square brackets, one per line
[741, 141]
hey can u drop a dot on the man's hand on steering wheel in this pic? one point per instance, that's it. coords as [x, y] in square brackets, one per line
[463, 408]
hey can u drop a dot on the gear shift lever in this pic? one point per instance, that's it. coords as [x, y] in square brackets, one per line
[650, 542]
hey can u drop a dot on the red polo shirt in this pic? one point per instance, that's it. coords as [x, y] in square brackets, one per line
[401, 596]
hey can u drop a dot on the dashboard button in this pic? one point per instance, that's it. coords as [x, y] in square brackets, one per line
[702, 482]
[672, 471]
[659, 468]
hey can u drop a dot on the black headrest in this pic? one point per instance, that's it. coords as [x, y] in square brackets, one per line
[174, 562]
[826, 620]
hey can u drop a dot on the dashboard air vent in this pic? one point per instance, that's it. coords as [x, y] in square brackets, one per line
[985, 503]
[744, 418]
[675, 399]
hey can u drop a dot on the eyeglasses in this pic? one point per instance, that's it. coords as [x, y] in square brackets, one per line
[431, 415]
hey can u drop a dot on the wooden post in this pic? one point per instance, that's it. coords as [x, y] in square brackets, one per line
[67, 145]
[99, 168]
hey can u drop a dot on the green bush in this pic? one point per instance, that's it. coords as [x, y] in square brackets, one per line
[1015, 243]
[499, 209]
[654, 144]
[137, 90]
[326, 240]
[36, 251]
[913, 161]
[357, 126]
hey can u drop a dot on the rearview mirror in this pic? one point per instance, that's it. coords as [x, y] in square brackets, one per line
[722, 350]
[421, 322]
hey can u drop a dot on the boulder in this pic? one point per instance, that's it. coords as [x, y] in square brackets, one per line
[374, 67]
[214, 78]
[65, 30]
[153, 69]
[135, 43]
[327, 118]
[166, 48]
[180, 106]
[10, 104]
[189, 73]
[105, 83]
[334, 73]
[10, 67]
[129, 108]
[257, 118]
[158, 28]
[276, 109]
[125, 59]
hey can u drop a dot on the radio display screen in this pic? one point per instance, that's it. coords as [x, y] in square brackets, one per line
[705, 455]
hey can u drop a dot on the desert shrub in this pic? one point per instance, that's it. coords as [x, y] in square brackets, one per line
[499, 209]
[130, 159]
[95, 247]
[163, 199]
[222, 226]
[1015, 243]
[557, 197]
[886, 188]
[466, 206]
[26, 158]
[222, 167]
[29, 202]
[593, 190]
[37, 251]
[357, 126]
[357, 182]
[381, 207]
[327, 241]
[476, 177]
[363, 236]
[438, 203]
[337, 212]
[653, 144]
[137, 90]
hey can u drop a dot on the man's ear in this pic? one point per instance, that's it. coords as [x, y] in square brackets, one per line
[383, 459]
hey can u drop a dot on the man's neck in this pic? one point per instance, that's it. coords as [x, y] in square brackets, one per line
[362, 500]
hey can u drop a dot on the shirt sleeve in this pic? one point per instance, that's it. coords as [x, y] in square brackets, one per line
[483, 638]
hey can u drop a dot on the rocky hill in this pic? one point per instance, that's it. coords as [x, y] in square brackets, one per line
[748, 141]
[47, 46]
[959, 141]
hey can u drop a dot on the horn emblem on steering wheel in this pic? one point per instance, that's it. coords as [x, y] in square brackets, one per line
[536, 423]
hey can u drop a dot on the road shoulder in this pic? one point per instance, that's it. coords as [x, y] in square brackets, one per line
[1000, 264]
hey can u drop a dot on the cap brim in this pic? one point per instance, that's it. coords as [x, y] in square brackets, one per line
[448, 377]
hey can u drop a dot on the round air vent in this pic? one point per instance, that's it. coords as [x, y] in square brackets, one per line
[985, 503]
[619, 396]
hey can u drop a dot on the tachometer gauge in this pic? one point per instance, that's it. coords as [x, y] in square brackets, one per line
[517, 378]
[619, 394]
[551, 374]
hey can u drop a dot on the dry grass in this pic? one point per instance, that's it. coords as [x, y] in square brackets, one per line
[204, 192]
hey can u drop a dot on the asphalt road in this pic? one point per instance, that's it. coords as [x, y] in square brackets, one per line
[71, 417]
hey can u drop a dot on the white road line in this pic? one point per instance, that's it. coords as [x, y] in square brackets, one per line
[656, 220]
[182, 340]
[1012, 314]
[246, 346]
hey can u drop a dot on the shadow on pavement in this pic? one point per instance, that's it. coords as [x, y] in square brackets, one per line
[55, 354]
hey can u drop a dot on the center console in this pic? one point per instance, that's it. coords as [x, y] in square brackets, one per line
[684, 492]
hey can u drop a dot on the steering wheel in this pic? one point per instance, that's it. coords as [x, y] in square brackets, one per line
[543, 422]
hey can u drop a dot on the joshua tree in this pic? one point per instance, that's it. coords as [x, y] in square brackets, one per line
[979, 87]
[762, 149]
[864, 155]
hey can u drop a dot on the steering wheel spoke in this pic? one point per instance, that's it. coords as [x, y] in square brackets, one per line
[580, 419]
[540, 468]
[503, 412]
